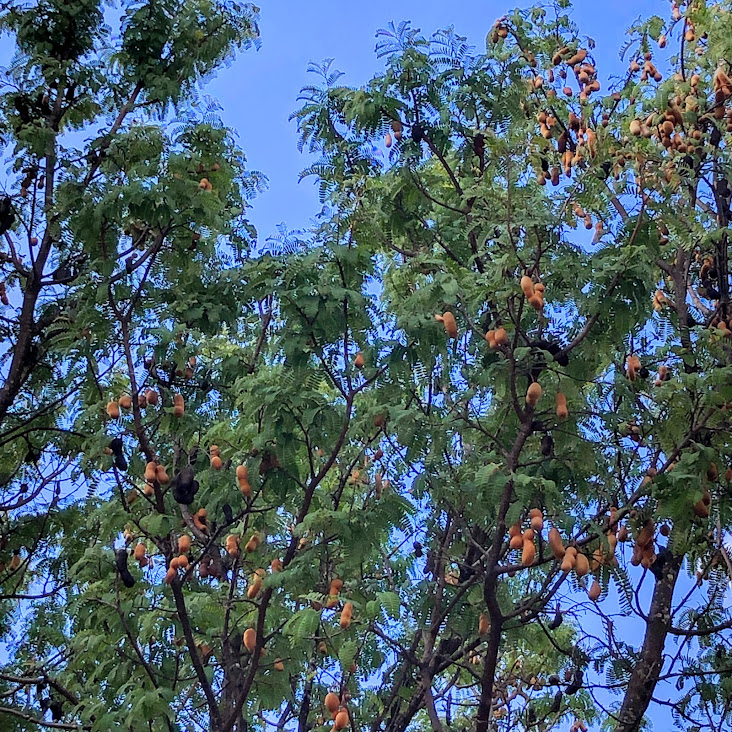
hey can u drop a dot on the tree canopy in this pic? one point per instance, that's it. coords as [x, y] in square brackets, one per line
[457, 458]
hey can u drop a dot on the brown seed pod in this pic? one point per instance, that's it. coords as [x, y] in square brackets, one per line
[151, 397]
[254, 588]
[595, 591]
[556, 544]
[161, 475]
[217, 463]
[562, 412]
[242, 476]
[582, 565]
[332, 702]
[125, 401]
[359, 362]
[113, 409]
[184, 544]
[346, 616]
[341, 720]
[448, 320]
[528, 553]
[178, 405]
[253, 543]
[484, 624]
[533, 393]
[151, 472]
[527, 285]
[232, 545]
[250, 639]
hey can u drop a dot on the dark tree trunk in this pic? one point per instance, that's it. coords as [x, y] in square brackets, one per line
[644, 678]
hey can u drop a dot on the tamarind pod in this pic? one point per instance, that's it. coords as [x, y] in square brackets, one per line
[578, 57]
[562, 411]
[254, 588]
[216, 462]
[595, 591]
[490, 337]
[242, 476]
[184, 544]
[125, 401]
[278, 665]
[528, 554]
[645, 535]
[359, 361]
[528, 535]
[346, 615]
[701, 509]
[151, 472]
[533, 393]
[250, 639]
[537, 302]
[448, 320]
[501, 337]
[582, 565]
[623, 533]
[336, 585]
[537, 523]
[514, 530]
[151, 397]
[332, 702]
[232, 545]
[113, 409]
[253, 543]
[341, 720]
[140, 551]
[276, 565]
[161, 475]
[556, 544]
[484, 624]
[178, 405]
[516, 542]
[527, 285]
[170, 575]
[182, 562]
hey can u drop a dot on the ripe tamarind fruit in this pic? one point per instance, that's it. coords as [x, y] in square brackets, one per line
[556, 544]
[113, 409]
[595, 591]
[254, 588]
[161, 475]
[528, 554]
[346, 616]
[448, 320]
[232, 545]
[582, 565]
[242, 475]
[184, 544]
[562, 412]
[484, 624]
[533, 393]
[178, 405]
[332, 702]
[151, 472]
[253, 543]
[341, 720]
[151, 397]
[140, 552]
[125, 401]
[278, 665]
[527, 285]
[276, 565]
[217, 463]
[536, 519]
[359, 361]
[250, 639]
[170, 575]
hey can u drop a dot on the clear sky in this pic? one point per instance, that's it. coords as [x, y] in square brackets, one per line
[259, 91]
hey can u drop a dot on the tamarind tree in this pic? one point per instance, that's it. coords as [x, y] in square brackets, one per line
[459, 459]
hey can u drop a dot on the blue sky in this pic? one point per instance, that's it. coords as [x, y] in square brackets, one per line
[259, 90]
